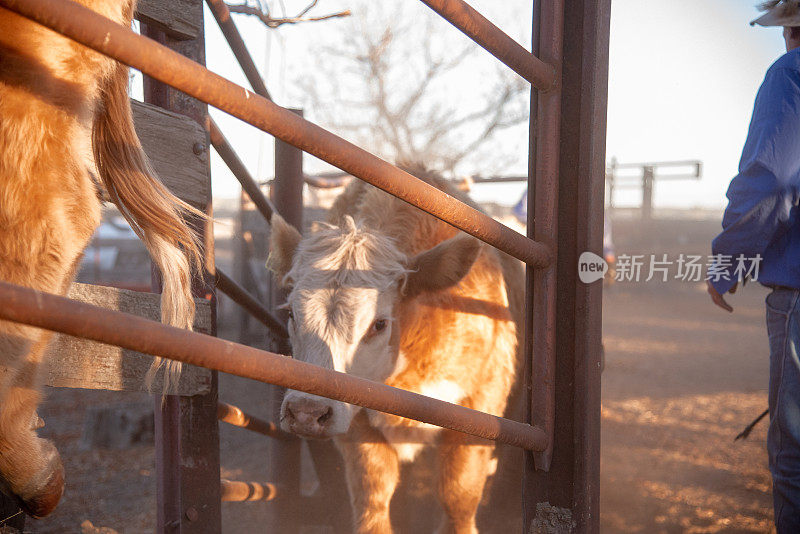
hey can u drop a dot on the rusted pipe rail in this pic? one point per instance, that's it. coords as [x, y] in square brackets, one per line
[116, 41]
[231, 159]
[223, 17]
[244, 299]
[495, 41]
[543, 200]
[327, 182]
[51, 312]
[236, 491]
[497, 179]
[233, 415]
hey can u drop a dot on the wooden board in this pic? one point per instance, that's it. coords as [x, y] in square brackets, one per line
[170, 16]
[178, 148]
[80, 363]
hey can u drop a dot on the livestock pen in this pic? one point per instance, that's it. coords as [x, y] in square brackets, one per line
[562, 326]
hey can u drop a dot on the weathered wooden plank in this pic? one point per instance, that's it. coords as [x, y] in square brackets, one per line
[178, 149]
[172, 16]
[80, 363]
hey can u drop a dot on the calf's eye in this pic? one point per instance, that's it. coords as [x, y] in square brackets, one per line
[379, 325]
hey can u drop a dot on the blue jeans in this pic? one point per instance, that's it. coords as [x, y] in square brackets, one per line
[783, 438]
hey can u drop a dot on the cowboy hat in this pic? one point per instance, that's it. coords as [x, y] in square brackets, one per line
[779, 13]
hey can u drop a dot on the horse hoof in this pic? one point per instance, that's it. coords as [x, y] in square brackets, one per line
[41, 495]
[46, 498]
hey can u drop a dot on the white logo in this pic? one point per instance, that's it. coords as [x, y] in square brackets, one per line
[591, 267]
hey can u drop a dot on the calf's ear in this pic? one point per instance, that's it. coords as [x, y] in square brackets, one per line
[283, 241]
[442, 266]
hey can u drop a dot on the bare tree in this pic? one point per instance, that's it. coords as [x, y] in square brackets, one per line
[262, 10]
[395, 84]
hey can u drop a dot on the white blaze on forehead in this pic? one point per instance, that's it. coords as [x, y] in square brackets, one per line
[336, 314]
[343, 279]
[347, 256]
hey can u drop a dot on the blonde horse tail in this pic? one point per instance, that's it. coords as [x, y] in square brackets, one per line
[155, 214]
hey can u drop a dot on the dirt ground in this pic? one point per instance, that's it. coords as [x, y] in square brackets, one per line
[681, 379]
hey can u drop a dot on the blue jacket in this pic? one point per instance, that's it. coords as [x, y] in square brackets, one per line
[762, 216]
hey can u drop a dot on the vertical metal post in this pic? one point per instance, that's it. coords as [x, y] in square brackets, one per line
[648, 179]
[287, 190]
[542, 222]
[572, 483]
[287, 197]
[241, 259]
[611, 180]
[187, 432]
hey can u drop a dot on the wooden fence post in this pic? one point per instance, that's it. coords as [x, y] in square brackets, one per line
[187, 432]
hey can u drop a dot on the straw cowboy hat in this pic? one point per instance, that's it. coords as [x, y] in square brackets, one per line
[779, 13]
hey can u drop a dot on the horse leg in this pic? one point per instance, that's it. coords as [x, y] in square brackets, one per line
[30, 467]
[463, 469]
[48, 212]
[45, 228]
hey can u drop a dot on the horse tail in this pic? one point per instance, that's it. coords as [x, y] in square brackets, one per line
[155, 214]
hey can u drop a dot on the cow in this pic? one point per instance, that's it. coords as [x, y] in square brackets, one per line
[387, 292]
[66, 138]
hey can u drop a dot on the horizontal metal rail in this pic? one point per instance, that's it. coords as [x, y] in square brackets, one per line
[233, 415]
[684, 163]
[247, 301]
[51, 312]
[497, 179]
[327, 182]
[495, 41]
[236, 491]
[119, 42]
[223, 17]
[672, 177]
[231, 159]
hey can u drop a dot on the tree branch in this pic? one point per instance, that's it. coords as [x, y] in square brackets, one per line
[272, 22]
[401, 99]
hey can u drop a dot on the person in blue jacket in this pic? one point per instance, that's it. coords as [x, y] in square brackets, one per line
[761, 228]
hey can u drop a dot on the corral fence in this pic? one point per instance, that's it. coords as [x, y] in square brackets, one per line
[562, 323]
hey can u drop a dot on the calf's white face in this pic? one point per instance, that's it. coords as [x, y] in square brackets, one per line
[346, 284]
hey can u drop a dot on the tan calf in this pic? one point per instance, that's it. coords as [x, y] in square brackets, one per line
[64, 115]
[389, 293]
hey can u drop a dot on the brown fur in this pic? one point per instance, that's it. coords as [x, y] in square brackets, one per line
[60, 105]
[467, 335]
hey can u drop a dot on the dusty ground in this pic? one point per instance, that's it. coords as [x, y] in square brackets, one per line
[682, 378]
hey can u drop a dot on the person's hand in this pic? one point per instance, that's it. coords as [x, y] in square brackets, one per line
[718, 299]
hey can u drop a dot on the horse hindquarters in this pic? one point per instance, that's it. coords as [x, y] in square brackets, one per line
[53, 93]
[48, 211]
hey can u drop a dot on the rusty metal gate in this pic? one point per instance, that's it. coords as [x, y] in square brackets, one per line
[568, 72]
